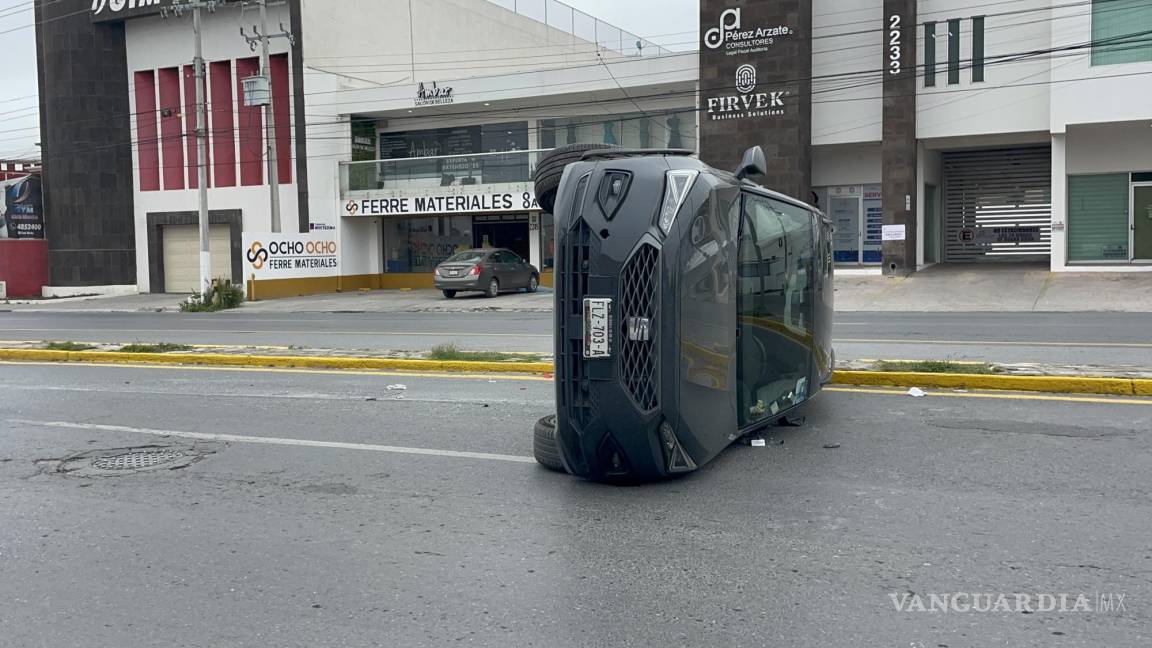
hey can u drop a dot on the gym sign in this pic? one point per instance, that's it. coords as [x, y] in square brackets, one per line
[108, 10]
[730, 36]
[747, 103]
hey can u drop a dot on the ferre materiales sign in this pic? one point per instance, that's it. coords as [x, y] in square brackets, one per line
[755, 87]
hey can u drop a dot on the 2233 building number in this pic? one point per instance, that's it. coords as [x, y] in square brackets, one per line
[895, 46]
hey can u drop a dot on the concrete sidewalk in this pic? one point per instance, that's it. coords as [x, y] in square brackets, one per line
[943, 288]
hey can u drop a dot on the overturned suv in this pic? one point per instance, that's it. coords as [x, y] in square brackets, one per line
[693, 308]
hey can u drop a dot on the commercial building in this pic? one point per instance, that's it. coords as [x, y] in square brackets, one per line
[957, 130]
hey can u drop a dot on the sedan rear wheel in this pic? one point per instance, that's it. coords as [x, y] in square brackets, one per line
[493, 288]
[533, 283]
[450, 294]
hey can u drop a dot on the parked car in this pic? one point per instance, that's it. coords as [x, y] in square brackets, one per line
[693, 308]
[488, 270]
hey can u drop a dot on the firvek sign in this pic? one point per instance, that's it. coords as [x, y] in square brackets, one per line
[111, 10]
[747, 102]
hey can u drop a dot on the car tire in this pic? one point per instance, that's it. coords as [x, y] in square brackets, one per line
[551, 169]
[545, 447]
[533, 284]
[449, 294]
[493, 288]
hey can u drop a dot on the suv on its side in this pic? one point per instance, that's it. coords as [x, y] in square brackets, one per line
[693, 307]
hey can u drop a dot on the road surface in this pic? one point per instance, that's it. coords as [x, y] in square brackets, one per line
[1057, 338]
[326, 511]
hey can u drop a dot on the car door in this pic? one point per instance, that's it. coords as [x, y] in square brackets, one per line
[505, 270]
[519, 269]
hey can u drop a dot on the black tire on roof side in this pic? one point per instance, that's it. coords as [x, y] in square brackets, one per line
[551, 169]
[544, 445]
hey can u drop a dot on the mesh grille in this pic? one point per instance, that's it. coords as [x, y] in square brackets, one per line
[639, 310]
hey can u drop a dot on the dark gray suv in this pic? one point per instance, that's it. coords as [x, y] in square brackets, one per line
[693, 307]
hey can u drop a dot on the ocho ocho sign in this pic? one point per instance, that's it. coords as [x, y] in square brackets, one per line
[269, 255]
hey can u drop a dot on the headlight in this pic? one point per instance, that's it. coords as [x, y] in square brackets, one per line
[676, 187]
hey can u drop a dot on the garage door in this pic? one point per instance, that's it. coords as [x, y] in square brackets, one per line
[998, 205]
[182, 256]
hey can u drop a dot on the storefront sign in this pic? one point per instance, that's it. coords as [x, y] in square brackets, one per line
[731, 36]
[107, 10]
[441, 204]
[432, 95]
[290, 256]
[747, 103]
[21, 209]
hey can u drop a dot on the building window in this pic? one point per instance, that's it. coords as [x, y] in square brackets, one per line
[420, 244]
[1120, 31]
[954, 51]
[978, 49]
[929, 54]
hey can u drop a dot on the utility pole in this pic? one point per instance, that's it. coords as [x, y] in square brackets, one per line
[263, 37]
[201, 130]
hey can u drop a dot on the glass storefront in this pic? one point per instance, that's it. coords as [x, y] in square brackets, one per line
[420, 244]
[676, 129]
[1110, 217]
[858, 215]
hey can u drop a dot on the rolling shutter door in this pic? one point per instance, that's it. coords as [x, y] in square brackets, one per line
[1098, 217]
[998, 205]
[182, 256]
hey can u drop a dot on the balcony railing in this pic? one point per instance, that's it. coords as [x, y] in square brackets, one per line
[429, 173]
[582, 26]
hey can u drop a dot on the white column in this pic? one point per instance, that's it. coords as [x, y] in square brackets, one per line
[534, 229]
[1059, 203]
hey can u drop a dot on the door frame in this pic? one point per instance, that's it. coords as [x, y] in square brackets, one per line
[860, 226]
[1132, 186]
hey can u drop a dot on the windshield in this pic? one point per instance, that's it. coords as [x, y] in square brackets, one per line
[774, 303]
[471, 256]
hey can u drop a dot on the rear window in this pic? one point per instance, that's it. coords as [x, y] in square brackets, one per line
[471, 256]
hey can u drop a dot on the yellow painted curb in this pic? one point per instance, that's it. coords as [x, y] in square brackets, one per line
[1054, 384]
[238, 360]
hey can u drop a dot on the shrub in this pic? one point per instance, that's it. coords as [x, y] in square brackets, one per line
[223, 296]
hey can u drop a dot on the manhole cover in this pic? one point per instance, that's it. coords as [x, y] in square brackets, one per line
[137, 460]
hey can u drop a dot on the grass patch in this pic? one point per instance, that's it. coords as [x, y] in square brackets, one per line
[68, 346]
[451, 352]
[937, 366]
[162, 347]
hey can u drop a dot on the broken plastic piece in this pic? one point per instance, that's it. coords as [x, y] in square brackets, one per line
[917, 392]
[397, 387]
[758, 442]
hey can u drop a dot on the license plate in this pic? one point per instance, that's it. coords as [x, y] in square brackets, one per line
[453, 273]
[597, 327]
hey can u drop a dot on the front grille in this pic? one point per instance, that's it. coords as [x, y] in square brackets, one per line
[640, 318]
[576, 395]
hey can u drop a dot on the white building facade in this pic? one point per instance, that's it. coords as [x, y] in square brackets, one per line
[409, 130]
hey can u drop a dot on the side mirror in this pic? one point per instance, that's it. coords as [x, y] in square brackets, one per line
[753, 164]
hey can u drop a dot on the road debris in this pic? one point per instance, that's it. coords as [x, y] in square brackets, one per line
[831, 446]
[916, 392]
[397, 387]
[758, 442]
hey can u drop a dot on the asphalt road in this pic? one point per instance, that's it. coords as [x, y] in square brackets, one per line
[1058, 338]
[332, 519]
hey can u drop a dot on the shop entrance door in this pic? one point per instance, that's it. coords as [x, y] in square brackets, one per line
[502, 234]
[1142, 222]
[845, 213]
